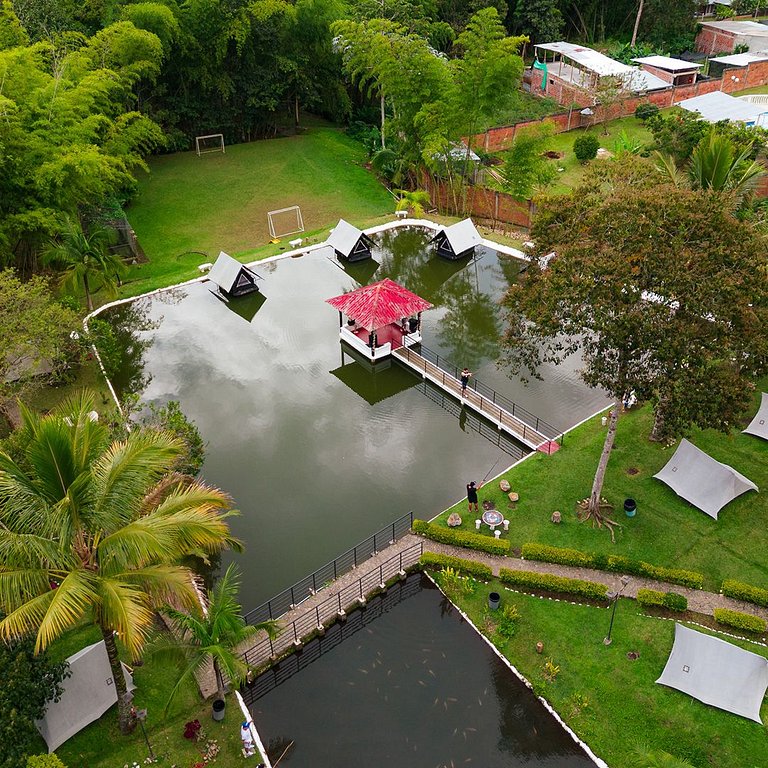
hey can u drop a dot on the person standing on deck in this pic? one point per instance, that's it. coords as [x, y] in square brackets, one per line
[465, 374]
[472, 497]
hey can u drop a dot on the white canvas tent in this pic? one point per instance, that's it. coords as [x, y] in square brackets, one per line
[716, 672]
[701, 480]
[457, 240]
[232, 277]
[88, 693]
[349, 241]
[759, 425]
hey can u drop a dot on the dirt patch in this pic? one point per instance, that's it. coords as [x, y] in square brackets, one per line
[633, 471]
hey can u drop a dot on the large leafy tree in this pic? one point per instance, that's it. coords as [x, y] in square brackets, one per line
[85, 260]
[210, 635]
[29, 681]
[660, 288]
[95, 529]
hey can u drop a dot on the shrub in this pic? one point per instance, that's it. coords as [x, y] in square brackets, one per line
[470, 567]
[551, 583]
[560, 555]
[508, 621]
[45, 761]
[739, 620]
[747, 592]
[461, 538]
[646, 110]
[585, 147]
[675, 602]
[454, 584]
[670, 600]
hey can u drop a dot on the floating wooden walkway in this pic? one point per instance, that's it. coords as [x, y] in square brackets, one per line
[525, 427]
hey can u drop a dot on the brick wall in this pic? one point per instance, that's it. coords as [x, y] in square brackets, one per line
[710, 40]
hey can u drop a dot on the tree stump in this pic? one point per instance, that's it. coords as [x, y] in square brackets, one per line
[454, 520]
[514, 496]
[505, 486]
[556, 517]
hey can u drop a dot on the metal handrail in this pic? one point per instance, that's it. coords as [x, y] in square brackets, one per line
[344, 563]
[333, 607]
[490, 397]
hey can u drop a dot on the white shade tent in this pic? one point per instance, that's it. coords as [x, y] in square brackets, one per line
[759, 425]
[716, 673]
[89, 692]
[702, 480]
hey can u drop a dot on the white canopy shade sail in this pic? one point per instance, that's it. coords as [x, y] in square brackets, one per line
[759, 425]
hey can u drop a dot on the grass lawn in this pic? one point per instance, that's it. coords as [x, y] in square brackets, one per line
[220, 201]
[666, 530]
[100, 744]
[624, 706]
[527, 107]
[750, 91]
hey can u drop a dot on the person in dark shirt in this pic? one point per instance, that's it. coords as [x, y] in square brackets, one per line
[472, 496]
[465, 374]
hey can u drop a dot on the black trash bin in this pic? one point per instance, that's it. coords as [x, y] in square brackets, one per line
[494, 598]
[218, 709]
[630, 507]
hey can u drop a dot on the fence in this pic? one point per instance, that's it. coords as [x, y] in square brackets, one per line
[493, 397]
[292, 635]
[309, 585]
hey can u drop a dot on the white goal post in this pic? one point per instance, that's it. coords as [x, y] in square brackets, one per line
[214, 142]
[285, 221]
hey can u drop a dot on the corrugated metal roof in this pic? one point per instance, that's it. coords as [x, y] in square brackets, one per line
[716, 106]
[462, 236]
[377, 305]
[344, 237]
[746, 28]
[741, 59]
[225, 271]
[668, 63]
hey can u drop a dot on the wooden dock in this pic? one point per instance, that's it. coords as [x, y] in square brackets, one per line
[498, 414]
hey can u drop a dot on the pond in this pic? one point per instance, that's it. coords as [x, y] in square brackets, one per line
[317, 451]
[405, 682]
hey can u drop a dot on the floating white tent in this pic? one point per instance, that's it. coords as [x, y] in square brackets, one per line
[89, 692]
[701, 480]
[458, 240]
[350, 242]
[232, 277]
[759, 425]
[716, 673]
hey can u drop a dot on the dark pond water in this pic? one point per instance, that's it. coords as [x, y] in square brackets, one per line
[406, 682]
[317, 451]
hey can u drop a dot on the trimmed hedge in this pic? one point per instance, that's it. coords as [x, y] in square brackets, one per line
[670, 600]
[551, 583]
[461, 538]
[470, 567]
[616, 563]
[739, 620]
[746, 592]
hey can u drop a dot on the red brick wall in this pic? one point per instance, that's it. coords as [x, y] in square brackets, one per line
[710, 40]
[667, 77]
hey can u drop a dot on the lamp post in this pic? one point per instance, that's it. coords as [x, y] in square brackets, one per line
[614, 598]
[141, 716]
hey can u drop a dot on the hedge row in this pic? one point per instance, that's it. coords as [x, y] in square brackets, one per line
[739, 620]
[461, 538]
[670, 600]
[551, 583]
[616, 563]
[746, 592]
[470, 567]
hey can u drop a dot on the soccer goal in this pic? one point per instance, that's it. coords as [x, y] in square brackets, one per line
[211, 143]
[285, 221]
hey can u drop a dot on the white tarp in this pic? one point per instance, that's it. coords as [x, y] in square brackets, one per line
[700, 479]
[88, 693]
[759, 425]
[716, 672]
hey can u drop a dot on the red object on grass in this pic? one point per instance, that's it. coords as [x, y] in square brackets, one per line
[550, 446]
[377, 305]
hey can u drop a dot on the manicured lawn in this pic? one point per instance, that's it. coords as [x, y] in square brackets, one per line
[220, 201]
[666, 530]
[624, 706]
[750, 91]
[100, 744]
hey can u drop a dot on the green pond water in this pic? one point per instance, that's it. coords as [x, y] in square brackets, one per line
[317, 451]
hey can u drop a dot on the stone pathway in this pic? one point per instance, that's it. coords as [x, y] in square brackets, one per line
[345, 592]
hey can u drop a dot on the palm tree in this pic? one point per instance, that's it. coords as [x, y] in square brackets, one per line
[85, 259]
[93, 528]
[716, 165]
[642, 756]
[414, 201]
[210, 635]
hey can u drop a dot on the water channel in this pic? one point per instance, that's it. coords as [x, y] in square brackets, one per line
[317, 451]
[405, 682]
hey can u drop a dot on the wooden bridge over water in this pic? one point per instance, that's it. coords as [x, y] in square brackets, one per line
[506, 415]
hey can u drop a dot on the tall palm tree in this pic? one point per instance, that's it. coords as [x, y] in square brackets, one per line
[85, 259]
[210, 635]
[93, 528]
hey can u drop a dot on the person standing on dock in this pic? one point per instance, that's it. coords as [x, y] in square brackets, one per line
[465, 374]
[472, 497]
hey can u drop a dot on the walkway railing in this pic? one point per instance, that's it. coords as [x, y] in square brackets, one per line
[314, 582]
[491, 395]
[335, 606]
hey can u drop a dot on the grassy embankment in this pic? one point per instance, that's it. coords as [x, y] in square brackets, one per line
[611, 701]
[666, 530]
[100, 744]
